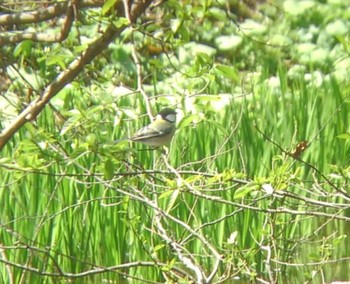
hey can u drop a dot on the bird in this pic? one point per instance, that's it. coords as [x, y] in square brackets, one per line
[159, 132]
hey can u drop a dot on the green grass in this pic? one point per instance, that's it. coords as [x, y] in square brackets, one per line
[55, 211]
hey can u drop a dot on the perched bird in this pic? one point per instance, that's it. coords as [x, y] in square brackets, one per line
[159, 132]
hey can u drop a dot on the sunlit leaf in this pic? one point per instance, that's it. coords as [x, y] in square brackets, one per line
[344, 136]
[107, 6]
[171, 202]
[244, 190]
[227, 71]
[120, 22]
[23, 48]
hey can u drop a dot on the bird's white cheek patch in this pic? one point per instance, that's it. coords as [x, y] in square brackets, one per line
[171, 117]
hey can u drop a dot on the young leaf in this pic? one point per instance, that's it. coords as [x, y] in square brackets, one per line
[107, 6]
[24, 48]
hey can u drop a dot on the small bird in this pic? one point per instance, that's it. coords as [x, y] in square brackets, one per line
[159, 132]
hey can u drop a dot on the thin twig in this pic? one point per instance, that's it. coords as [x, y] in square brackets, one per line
[137, 63]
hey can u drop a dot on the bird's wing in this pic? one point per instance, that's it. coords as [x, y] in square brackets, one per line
[150, 132]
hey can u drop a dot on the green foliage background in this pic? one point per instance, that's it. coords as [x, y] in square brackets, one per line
[249, 85]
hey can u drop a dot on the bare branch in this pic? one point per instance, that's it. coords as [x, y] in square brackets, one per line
[32, 17]
[42, 15]
[138, 64]
[187, 262]
[44, 37]
[96, 270]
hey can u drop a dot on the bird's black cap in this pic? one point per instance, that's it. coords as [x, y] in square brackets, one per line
[166, 111]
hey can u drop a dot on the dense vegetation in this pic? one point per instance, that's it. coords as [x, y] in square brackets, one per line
[255, 185]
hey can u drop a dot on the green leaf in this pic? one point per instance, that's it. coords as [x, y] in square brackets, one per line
[219, 127]
[314, 256]
[91, 139]
[165, 194]
[227, 71]
[338, 240]
[5, 161]
[188, 120]
[57, 59]
[70, 123]
[121, 22]
[169, 266]
[172, 197]
[193, 178]
[108, 169]
[159, 247]
[107, 6]
[243, 191]
[176, 24]
[24, 48]
[344, 136]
